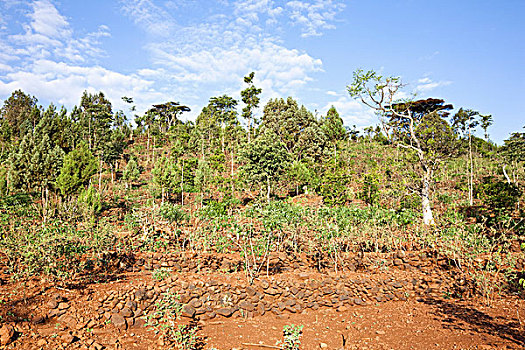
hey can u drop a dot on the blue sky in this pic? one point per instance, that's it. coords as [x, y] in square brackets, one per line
[471, 53]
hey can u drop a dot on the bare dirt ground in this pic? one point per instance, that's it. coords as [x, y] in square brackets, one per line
[349, 310]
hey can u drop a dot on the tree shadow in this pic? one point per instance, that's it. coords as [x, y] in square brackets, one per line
[453, 314]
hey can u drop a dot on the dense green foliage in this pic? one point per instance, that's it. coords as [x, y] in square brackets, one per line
[77, 185]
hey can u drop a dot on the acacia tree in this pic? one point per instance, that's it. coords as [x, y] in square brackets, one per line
[414, 125]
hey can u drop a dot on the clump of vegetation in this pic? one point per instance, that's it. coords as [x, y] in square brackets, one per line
[292, 337]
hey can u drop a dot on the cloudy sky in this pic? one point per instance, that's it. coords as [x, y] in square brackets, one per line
[471, 53]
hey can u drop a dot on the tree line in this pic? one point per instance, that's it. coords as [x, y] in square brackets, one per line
[61, 155]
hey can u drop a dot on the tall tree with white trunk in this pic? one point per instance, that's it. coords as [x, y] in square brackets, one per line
[417, 126]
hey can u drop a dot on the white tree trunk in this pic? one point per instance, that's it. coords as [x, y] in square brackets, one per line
[428, 218]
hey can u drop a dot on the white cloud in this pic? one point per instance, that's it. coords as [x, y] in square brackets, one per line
[63, 83]
[47, 21]
[314, 16]
[351, 111]
[152, 18]
[189, 62]
[48, 34]
[426, 84]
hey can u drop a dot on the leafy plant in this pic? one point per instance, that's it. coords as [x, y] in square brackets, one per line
[292, 337]
[167, 311]
[173, 213]
[161, 273]
[370, 190]
[186, 337]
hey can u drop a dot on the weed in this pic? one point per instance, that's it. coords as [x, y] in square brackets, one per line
[167, 311]
[161, 274]
[292, 337]
[186, 337]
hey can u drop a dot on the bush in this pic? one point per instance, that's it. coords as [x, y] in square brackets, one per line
[498, 196]
[57, 249]
[333, 188]
[173, 213]
[90, 202]
[370, 191]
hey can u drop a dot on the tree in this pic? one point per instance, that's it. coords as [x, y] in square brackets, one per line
[112, 150]
[164, 175]
[167, 114]
[223, 110]
[464, 122]
[418, 126]
[19, 112]
[95, 117]
[34, 165]
[513, 151]
[332, 127]
[295, 127]
[250, 97]
[486, 121]
[265, 159]
[131, 172]
[78, 168]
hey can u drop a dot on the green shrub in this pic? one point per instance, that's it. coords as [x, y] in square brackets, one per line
[498, 196]
[292, 337]
[56, 249]
[173, 213]
[370, 190]
[90, 202]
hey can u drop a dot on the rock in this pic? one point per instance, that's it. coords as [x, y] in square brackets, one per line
[52, 304]
[139, 323]
[63, 306]
[398, 262]
[131, 304]
[304, 275]
[196, 303]
[188, 311]
[323, 346]
[250, 291]
[126, 312]
[265, 284]
[140, 294]
[119, 321]
[225, 311]
[246, 305]
[7, 334]
[38, 319]
[68, 338]
[68, 321]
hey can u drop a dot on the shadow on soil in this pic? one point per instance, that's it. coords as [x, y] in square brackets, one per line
[454, 314]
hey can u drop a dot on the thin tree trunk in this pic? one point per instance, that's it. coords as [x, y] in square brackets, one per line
[182, 182]
[249, 128]
[268, 194]
[232, 161]
[428, 218]
[100, 176]
[471, 178]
